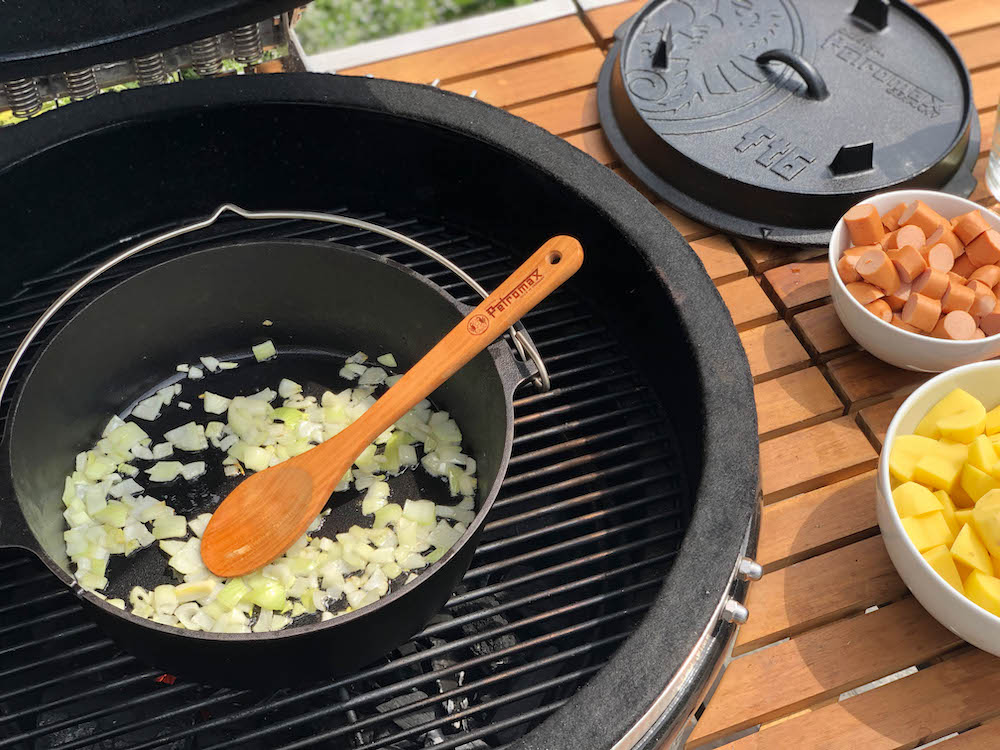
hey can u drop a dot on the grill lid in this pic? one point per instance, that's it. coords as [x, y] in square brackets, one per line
[770, 118]
[42, 37]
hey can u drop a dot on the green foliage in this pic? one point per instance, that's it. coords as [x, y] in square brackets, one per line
[328, 24]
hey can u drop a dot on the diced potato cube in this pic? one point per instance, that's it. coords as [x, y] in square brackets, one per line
[906, 451]
[969, 551]
[952, 450]
[966, 407]
[977, 483]
[948, 509]
[984, 590]
[928, 530]
[986, 519]
[943, 563]
[993, 421]
[964, 426]
[963, 516]
[914, 499]
[982, 454]
[937, 472]
[961, 498]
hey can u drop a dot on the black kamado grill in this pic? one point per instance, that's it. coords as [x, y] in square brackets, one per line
[604, 594]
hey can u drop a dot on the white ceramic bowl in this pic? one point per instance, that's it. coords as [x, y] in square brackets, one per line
[911, 351]
[967, 620]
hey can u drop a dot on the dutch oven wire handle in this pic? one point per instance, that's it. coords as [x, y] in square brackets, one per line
[815, 84]
[526, 348]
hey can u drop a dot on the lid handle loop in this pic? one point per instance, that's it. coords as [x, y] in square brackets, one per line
[815, 84]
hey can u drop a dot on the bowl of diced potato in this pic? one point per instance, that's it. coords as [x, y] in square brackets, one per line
[939, 499]
[915, 279]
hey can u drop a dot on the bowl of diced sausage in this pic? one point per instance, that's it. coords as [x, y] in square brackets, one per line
[915, 279]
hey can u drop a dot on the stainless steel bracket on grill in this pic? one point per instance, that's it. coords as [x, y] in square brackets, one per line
[525, 347]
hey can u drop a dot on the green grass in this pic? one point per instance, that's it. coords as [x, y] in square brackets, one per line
[328, 24]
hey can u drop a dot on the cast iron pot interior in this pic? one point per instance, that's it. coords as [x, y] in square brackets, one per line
[326, 302]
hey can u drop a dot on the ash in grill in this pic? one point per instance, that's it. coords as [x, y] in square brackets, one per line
[588, 520]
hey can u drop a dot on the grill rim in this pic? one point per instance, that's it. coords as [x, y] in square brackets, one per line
[726, 494]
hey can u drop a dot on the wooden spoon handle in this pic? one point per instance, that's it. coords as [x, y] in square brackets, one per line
[540, 275]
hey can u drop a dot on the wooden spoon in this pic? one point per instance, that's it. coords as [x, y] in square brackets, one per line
[269, 510]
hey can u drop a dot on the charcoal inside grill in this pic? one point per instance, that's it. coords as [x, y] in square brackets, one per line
[583, 532]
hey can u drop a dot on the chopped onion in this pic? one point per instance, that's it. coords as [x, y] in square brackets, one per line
[228, 365]
[165, 471]
[211, 363]
[388, 360]
[196, 373]
[193, 470]
[188, 437]
[215, 404]
[264, 351]
[148, 409]
[184, 405]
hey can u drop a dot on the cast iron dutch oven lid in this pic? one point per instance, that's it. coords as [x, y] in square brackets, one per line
[769, 118]
[40, 37]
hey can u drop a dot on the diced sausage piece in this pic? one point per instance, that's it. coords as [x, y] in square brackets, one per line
[909, 263]
[889, 240]
[940, 258]
[897, 299]
[958, 279]
[900, 323]
[944, 235]
[846, 268]
[921, 312]
[890, 219]
[958, 297]
[910, 235]
[990, 322]
[957, 325]
[864, 224]
[985, 249]
[969, 226]
[880, 309]
[985, 299]
[921, 215]
[989, 275]
[876, 268]
[932, 283]
[979, 334]
[862, 249]
[865, 293]
[963, 266]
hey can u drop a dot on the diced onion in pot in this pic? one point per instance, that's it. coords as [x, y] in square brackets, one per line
[264, 351]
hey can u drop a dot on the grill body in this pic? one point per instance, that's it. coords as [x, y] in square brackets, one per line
[633, 484]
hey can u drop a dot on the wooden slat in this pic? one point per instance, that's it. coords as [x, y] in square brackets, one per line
[987, 128]
[874, 420]
[817, 591]
[978, 48]
[986, 87]
[773, 350]
[747, 303]
[789, 676]
[921, 707]
[822, 331]
[524, 83]
[861, 379]
[594, 143]
[812, 457]
[762, 256]
[816, 522]
[562, 114]
[605, 20]
[798, 284]
[957, 16]
[721, 261]
[794, 401]
[983, 737]
[485, 53]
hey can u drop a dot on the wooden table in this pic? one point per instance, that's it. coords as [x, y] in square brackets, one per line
[830, 614]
